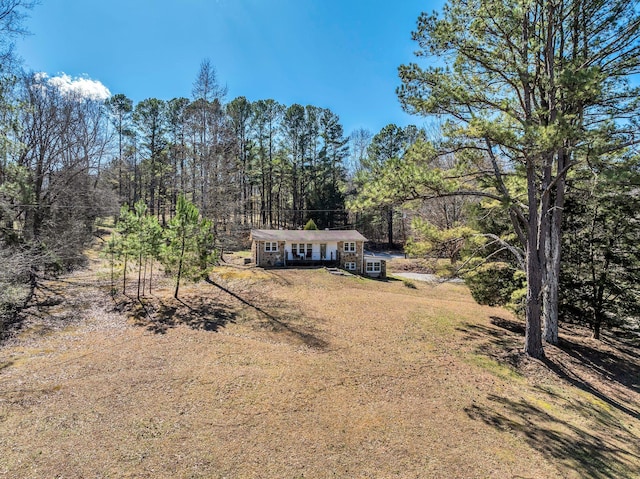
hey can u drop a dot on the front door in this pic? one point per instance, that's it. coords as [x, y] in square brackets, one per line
[323, 251]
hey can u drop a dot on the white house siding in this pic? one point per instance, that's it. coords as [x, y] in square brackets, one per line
[332, 248]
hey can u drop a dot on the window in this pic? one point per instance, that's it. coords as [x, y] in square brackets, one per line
[349, 247]
[373, 266]
[294, 250]
[309, 250]
[350, 266]
[271, 246]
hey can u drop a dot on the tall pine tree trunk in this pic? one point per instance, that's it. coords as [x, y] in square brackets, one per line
[175, 294]
[533, 336]
[144, 276]
[139, 274]
[150, 274]
[553, 251]
[550, 298]
[390, 226]
[533, 333]
[113, 286]
[124, 275]
[552, 280]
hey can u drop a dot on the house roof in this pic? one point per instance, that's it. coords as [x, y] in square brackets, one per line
[307, 236]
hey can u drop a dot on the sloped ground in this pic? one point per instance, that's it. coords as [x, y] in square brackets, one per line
[291, 374]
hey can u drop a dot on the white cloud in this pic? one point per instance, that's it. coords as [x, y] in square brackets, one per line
[81, 87]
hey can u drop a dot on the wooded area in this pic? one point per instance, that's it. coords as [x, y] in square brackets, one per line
[532, 176]
[537, 97]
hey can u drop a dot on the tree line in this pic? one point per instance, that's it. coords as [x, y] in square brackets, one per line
[244, 164]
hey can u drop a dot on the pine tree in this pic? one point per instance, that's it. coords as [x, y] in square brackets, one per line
[311, 225]
[529, 89]
[189, 244]
[600, 277]
[125, 241]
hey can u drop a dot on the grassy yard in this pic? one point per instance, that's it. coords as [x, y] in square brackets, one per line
[304, 374]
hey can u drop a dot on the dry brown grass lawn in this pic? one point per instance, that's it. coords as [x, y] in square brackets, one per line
[304, 374]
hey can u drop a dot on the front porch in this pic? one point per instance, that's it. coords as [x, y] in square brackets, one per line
[312, 262]
[320, 254]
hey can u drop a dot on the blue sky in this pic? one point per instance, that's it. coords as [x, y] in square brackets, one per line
[341, 55]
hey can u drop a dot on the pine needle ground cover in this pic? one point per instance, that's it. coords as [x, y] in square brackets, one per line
[300, 373]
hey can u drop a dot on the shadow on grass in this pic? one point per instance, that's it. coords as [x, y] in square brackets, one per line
[555, 428]
[51, 303]
[207, 314]
[280, 321]
[159, 316]
[560, 441]
[6, 364]
[515, 327]
[570, 375]
[45, 296]
[612, 366]
[386, 279]
[577, 363]
[606, 364]
[504, 338]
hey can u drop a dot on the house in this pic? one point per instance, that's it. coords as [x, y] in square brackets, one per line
[341, 248]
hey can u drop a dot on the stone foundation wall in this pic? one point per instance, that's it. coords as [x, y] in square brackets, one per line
[349, 257]
[268, 259]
